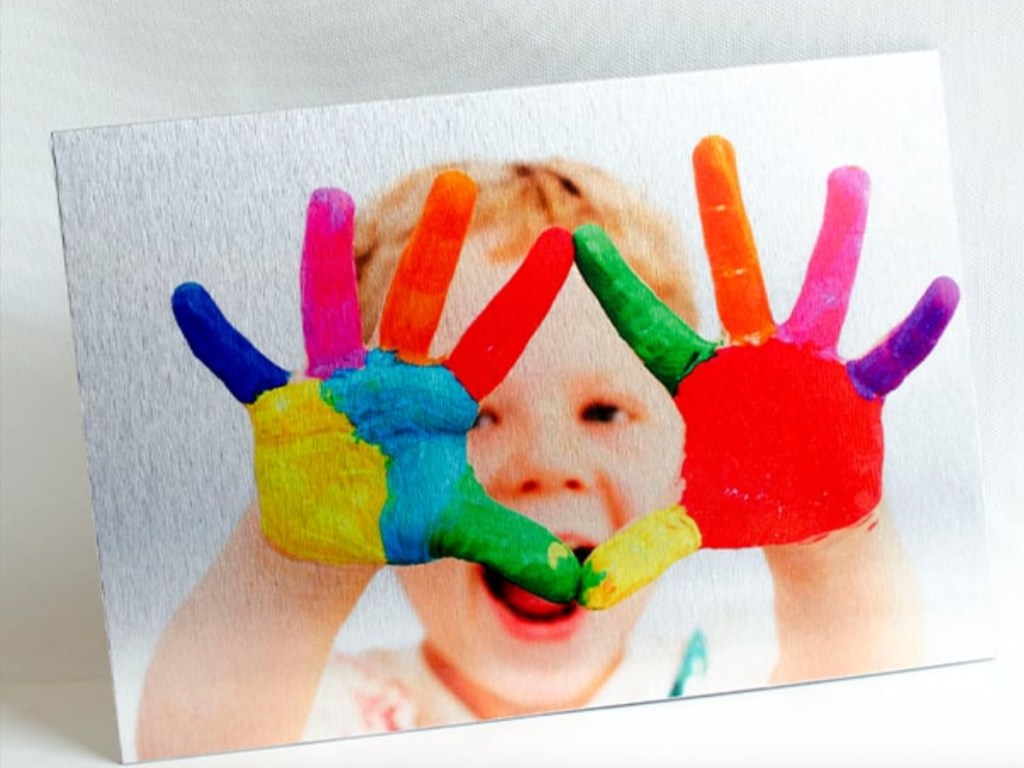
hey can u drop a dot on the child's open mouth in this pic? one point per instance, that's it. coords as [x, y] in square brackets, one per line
[529, 617]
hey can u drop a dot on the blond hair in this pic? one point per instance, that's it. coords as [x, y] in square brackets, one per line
[515, 203]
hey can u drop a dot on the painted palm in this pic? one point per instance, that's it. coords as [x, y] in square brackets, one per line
[362, 458]
[783, 438]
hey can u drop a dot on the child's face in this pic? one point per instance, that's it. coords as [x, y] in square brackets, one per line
[579, 437]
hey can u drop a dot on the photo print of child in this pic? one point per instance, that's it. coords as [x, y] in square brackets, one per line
[554, 496]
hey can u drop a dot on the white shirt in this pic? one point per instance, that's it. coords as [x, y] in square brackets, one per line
[391, 690]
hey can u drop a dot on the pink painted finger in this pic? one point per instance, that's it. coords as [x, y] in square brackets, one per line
[330, 302]
[495, 340]
[883, 368]
[820, 310]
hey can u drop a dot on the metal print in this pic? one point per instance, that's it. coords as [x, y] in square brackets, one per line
[428, 412]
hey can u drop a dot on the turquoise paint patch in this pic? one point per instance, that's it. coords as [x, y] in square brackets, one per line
[388, 400]
[418, 416]
[421, 482]
[696, 656]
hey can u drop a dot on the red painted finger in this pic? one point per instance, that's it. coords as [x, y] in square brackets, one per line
[330, 303]
[739, 288]
[820, 310]
[495, 340]
[418, 290]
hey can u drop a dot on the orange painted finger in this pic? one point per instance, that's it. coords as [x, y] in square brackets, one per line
[418, 290]
[739, 287]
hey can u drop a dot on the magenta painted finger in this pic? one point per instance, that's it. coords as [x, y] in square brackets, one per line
[884, 368]
[820, 310]
[330, 302]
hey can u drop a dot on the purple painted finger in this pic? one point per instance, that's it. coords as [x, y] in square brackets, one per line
[330, 303]
[820, 310]
[883, 368]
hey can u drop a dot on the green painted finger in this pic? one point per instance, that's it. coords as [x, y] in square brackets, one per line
[669, 347]
[478, 529]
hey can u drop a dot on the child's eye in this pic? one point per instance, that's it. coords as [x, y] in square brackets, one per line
[486, 418]
[603, 413]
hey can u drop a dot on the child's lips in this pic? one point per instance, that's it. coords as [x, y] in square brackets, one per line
[530, 617]
[525, 604]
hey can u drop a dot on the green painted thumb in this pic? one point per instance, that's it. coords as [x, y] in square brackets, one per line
[665, 343]
[477, 528]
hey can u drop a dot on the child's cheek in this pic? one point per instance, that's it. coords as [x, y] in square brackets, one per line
[648, 465]
[486, 452]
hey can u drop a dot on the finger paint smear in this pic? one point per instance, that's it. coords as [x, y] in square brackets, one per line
[321, 487]
[780, 447]
[418, 416]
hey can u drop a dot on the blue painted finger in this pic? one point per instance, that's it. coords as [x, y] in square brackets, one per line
[883, 368]
[232, 358]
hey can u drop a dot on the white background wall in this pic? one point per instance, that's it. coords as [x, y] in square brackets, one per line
[74, 64]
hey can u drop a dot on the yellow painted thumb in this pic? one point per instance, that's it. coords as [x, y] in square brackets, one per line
[636, 556]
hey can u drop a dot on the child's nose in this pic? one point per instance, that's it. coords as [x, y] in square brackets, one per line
[540, 481]
[549, 464]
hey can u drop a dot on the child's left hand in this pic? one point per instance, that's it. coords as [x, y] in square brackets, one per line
[783, 438]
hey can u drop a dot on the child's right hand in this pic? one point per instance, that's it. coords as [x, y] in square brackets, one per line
[363, 458]
[783, 438]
